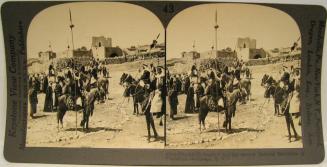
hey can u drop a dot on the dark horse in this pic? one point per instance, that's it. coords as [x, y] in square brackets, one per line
[65, 102]
[231, 100]
[273, 90]
[137, 92]
[209, 102]
[89, 99]
[132, 88]
[103, 86]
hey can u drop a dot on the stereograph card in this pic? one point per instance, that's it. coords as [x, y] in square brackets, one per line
[163, 83]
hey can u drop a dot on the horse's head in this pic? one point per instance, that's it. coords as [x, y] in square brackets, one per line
[264, 79]
[267, 80]
[122, 78]
[239, 94]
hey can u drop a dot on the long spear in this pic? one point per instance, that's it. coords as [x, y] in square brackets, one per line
[216, 43]
[71, 26]
[154, 43]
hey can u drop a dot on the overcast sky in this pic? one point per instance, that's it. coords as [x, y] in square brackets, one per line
[270, 27]
[126, 24]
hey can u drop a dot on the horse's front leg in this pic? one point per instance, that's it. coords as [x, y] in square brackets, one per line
[87, 123]
[134, 109]
[137, 109]
[147, 119]
[230, 124]
[160, 122]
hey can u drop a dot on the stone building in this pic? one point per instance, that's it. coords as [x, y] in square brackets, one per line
[102, 48]
[246, 49]
[192, 55]
[101, 41]
[46, 56]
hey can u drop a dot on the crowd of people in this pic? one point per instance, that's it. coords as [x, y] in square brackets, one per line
[69, 79]
[218, 81]
[213, 79]
[148, 88]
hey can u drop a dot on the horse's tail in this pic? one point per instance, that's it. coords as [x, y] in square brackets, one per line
[203, 108]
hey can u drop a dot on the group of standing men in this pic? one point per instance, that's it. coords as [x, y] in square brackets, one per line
[71, 79]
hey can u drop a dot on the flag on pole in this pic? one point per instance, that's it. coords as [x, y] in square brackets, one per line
[154, 42]
[71, 20]
[295, 44]
[216, 17]
[70, 16]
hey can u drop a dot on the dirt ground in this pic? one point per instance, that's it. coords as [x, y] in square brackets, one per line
[254, 125]
[112, 125]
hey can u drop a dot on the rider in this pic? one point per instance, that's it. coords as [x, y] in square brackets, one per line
[212, 90]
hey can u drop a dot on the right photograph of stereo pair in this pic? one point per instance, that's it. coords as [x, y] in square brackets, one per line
[233, 78]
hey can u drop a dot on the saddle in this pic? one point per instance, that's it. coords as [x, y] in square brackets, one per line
[212, 103]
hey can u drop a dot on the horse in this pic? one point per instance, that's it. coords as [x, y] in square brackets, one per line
[137, 92]
[231, 100]
[89, 99]
[103, 86]
[210, 101]
[246, 71]
[245, 84]
[126, 78]
[65, 102]
[134, 89]
[273, 90]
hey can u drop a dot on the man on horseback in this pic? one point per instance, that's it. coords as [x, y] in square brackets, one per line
[213, 91]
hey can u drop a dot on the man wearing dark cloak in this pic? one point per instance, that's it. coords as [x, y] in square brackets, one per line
[48, 102]
[32, 95]
[173, 97]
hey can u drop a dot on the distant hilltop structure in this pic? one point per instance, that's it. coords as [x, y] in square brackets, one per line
[246, 43]
[102, 48]
[246, 49]
[101, 41]
[47, 56]
[192, 55]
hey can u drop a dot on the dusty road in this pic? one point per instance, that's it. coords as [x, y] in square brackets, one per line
[112, 125]
[252, 127]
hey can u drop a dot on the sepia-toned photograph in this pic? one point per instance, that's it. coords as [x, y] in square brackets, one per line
[96, 77]
[233, 78]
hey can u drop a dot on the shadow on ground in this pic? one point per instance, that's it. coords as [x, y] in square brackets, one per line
[238, 130]
[96, 129]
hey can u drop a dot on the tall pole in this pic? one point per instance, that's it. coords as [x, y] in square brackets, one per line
[71, 26]
[194, 58]
[216, 49]
[155, 43]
